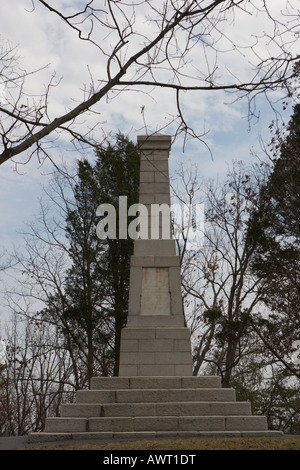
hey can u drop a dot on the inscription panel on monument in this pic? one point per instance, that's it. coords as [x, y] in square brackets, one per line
[155, 299]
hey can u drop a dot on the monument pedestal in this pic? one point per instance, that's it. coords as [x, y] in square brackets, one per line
[155, 394]
[154, 407]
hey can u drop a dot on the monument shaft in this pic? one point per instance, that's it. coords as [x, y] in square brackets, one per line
[155, 341]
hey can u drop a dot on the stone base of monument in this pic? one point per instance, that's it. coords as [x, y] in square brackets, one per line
[155, 352]
[154, 407]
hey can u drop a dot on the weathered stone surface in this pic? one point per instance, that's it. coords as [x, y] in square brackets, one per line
[155, 298]
[147, 248]
[95, 396]
[153, 423]
[57, 425]
[173, 395]
[246, 423]
[110, 383]
[80, 410]
[46, 437]
[154, 141]
[157, 321]
[155, 166]
[154, 188]
[158, 352]
[177, 409]
[167, 382]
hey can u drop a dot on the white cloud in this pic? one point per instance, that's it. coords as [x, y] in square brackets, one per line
[43, 38]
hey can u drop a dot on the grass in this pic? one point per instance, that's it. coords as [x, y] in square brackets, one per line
[264, 443]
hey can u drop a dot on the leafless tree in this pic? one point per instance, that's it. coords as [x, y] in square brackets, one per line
[219, 289]
[183, 46]
[42, 267]
[36, 377]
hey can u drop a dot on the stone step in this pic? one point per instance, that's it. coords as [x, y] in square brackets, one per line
[155, 395]
[80, 410]
[161, 423]
[117, 383]
[181, 423]
[66, 425]
[89, 410]
[144, 407]
[102, 436]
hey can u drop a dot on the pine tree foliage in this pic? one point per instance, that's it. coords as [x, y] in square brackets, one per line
[93, 307]
[274, 231]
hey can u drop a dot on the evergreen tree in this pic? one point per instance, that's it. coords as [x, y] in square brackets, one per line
[93, 307]
[274, 231]
[117, 173]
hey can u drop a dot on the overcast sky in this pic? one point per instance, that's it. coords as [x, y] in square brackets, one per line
[42, 39]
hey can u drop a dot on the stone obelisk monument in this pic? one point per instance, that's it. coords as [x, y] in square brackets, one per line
[156, 341]
[155, 394]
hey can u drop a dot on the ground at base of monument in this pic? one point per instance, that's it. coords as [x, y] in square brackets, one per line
[284, 442]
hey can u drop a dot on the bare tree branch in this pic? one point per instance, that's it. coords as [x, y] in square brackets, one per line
[164, 60]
